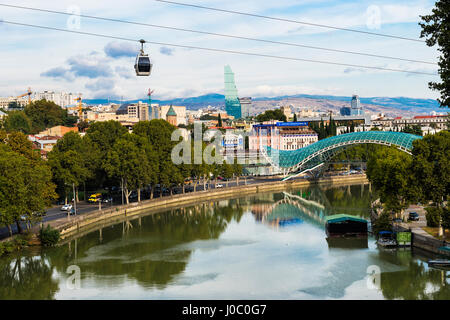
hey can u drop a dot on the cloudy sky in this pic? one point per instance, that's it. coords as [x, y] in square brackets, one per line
[103, 68]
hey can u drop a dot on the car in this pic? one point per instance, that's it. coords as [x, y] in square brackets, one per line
[413, 216]
[219, 185]
[107, 200]
[397, 220]
[66, 207]
[72, 211]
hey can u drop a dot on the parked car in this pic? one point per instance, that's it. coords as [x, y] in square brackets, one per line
[397, 220]
[72, 211]
[219, 185]
[66, 207]
[94, 198]
[413, 216]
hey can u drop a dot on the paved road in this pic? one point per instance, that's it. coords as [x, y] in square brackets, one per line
[84, 207]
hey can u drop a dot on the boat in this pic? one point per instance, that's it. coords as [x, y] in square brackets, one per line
[345, 226]
[386, 239]
[440, 264]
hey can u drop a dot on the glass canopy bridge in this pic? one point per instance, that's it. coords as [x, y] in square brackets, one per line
[295, 162]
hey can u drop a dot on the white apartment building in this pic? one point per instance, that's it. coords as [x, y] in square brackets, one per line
[62, 99]
[4, 102]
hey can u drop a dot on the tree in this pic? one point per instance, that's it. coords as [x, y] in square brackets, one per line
[436, 30]
[158, 133]
[18, 142]
[46, 114]
[295, 118]
[17, 121]
[25, 187]
[128, 163]
[390, 173]
[83, 126]
[71, 162]
[219, 122]
[276, 114]
[431, 169]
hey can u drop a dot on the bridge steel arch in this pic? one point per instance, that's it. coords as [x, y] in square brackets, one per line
[319, 152]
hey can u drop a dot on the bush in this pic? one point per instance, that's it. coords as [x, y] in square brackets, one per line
[49, 236]
[383, 223]
[433, 216]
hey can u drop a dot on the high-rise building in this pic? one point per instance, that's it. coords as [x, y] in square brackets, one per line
[246, 105]
[356, 108]
[232, 103]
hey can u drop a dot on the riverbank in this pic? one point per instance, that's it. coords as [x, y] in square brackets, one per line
[107, 216]
[419, 237]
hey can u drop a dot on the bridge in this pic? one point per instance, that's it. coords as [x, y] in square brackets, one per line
[315, 155]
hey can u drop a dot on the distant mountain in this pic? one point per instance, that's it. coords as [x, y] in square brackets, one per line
[217, 100]
[213, 99]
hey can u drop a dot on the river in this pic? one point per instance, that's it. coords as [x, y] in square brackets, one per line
[266, 246]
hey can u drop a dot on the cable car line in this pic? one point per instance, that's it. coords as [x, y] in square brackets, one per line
[218, 50]
[291, 21]
[223, 35]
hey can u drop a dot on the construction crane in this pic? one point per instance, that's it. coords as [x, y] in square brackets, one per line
[28, 93]
[80, 106]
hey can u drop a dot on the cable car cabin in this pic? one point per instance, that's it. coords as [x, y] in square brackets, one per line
[343, 225]
[143, 66]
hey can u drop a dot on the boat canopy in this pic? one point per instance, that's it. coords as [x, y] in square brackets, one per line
[337, 218]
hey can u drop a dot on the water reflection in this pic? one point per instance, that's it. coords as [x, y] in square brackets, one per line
[150, 249]
[267, 246]
[27, 277]
[312, 205]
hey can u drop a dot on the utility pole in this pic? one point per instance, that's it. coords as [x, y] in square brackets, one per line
[74, 199]
[121, 183]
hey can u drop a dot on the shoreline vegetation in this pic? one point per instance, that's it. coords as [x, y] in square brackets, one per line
[89, 222]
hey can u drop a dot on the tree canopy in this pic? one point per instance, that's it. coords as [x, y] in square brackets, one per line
[436, 30]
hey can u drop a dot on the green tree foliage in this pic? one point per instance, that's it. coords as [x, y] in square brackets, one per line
[219, 122]
[431, 169]
[158, 133]
[415, 129]
[17, 121]
[25, 187]
[276, 114]
[383, 223]
[129, 161]
[436, 30]
[46, 114]
[72, 161]
[390, 173]
[49, 236]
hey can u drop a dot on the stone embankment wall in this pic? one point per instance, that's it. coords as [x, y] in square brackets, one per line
[107, 216]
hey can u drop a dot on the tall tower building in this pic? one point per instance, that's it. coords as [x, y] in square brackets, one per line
[232, 103]
[356, 108]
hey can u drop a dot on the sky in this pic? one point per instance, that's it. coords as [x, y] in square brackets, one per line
[103, 68]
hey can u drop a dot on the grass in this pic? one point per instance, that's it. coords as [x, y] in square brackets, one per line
[434, 232]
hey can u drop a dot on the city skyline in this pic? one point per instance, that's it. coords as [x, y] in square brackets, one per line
[101, 68]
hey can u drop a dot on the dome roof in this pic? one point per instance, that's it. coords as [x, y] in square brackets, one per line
[171, 112]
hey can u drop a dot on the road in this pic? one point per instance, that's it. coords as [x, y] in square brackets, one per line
[84, 207]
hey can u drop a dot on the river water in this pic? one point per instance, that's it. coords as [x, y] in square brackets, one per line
[266, 246]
